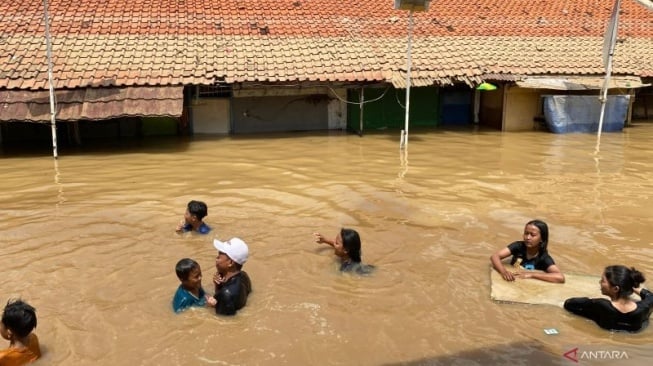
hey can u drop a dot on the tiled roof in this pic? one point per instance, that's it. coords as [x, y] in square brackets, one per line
[91, 103]
[175, 42]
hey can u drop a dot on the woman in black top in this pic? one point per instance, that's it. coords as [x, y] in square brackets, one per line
[532, 254]
[620, 312]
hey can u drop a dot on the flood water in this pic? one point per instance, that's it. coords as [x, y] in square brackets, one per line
[90, 242]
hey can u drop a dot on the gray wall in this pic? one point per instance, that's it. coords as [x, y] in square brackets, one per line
[280, 113]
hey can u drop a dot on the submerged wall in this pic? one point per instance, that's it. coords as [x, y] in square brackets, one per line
[521, 106]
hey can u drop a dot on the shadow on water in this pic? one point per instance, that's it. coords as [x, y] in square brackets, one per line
[172, 144]
[521, 353]
[150, 145]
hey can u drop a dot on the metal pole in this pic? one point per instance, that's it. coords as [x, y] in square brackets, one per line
[609, 41]
[603, 98]
[48, 46]
[404, 141]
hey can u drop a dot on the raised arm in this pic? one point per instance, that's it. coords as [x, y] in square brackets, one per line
[320, 239]
[645, 295]
[496, 258]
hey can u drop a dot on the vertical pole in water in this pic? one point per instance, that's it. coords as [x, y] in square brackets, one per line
[48, 47]
[477, 105]
[604, 99]
[404, 134]
[609, 42]
[360, 122]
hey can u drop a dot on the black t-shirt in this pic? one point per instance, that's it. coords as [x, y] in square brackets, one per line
[542, 261]
[232, 296]
[603, 313]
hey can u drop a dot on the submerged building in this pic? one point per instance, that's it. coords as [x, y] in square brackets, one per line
[138, 68]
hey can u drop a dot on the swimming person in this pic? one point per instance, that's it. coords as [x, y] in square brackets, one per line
[531, 253]
[347, 246]
[193, 219]
[620, 312]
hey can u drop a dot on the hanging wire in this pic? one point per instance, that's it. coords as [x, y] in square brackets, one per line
[333, 91]
[397, 99]
[359, 102]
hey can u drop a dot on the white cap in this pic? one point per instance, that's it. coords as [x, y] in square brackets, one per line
[234, 248]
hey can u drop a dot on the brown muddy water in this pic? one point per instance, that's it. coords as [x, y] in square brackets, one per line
[90, 242]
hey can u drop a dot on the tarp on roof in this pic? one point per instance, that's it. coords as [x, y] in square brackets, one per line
[91, 103]
[581, 83]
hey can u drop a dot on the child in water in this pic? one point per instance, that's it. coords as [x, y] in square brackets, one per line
[190, 292]
[18, 321]
[347, 246]
[195, 213]
[529, 254]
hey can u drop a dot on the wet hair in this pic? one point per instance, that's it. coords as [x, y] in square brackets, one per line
[544, 233]
[184, 267]
[624, 277]
[198, 209]
[19, 317]
[351, 242]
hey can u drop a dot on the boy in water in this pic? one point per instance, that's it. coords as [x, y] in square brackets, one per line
[195, 213]
[190, 292]
[18, 321]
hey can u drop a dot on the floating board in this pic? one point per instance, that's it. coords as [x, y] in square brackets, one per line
[532, 291]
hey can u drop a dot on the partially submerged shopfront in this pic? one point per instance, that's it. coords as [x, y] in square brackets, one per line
[90, 113]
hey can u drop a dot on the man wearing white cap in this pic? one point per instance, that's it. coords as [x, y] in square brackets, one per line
[232, 285]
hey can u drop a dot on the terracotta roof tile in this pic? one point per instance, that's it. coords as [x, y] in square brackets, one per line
[137, 42]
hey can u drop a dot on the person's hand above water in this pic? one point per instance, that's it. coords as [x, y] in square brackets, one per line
[218, 279]
[554, 276]
[508, 276]
[319, 238]
[181, 225]
[496, 260]
[210, 301]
